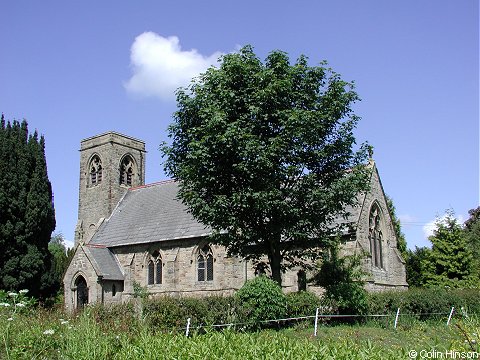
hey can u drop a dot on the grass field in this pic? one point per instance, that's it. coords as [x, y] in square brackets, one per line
[43, 334]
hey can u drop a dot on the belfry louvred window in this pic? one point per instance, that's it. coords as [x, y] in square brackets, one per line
[127, 171]
[95, 171]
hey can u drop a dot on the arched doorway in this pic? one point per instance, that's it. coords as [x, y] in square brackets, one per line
[82, 292]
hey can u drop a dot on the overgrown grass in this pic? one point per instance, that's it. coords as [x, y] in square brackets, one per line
[155, 329]
[118, 333]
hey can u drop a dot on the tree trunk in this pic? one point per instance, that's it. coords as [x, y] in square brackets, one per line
[275, 260]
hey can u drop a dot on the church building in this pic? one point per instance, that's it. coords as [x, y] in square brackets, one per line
[131, 234]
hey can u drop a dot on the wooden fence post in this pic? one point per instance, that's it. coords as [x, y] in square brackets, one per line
[188, 327]
[450, 316]
[396, 318]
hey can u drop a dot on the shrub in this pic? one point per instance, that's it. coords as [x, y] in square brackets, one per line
[115, 317]
[171, 314]
[342, 279]
[302, 303]
[260, 299]
[425, 302]
[163, 314]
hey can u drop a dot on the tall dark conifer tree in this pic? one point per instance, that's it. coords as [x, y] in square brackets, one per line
[27, 216]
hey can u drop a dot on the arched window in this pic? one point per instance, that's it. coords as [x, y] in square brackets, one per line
[95, 171]
[205, 264]
[158, 271]
[127, 171]
[151, 272]
[375, 236]
[155, 271]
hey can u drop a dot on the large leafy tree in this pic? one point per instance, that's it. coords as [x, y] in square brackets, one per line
[27, 216]
[450, 261]
[264, 154]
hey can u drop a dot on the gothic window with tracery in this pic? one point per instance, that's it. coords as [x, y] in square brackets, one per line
[205, 264]
[154, 269]
[375, 236]
[127, 171]
[95, 171]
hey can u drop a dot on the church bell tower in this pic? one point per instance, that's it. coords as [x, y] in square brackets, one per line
[110, 163]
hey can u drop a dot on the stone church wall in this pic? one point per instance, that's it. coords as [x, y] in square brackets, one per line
[80, 266]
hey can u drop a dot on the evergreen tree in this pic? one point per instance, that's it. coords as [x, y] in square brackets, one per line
[415, 266]
[450, 262]
[472, 236]
[27, 216]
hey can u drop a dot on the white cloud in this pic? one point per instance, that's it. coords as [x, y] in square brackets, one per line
[160, 66]
[429, 227]
[406, 218]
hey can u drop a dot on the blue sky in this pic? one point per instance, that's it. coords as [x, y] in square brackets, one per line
[77, 69]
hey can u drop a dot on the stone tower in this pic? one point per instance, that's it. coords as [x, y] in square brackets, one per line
[110, 163]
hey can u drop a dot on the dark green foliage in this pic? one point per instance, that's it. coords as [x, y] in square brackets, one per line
[119, 318]
[450, 262]
[169, 314]
[265, 152]
[58, 264]
[302, 303]
[416, 266]
[260, 299]
[401, 241]
[472, 237]
[27, 216]
[342, 279]
[425, 301]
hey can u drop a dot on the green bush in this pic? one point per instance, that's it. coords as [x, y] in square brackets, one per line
[425, 302]
[171, 314]
[164, 314]
[260, 299]
[302, 303]
[115, 317]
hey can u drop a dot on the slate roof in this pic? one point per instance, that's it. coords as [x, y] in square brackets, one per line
[152, 213]
[103, 262]
[149, 214]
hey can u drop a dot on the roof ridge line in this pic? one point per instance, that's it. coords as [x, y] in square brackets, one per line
[167, 181]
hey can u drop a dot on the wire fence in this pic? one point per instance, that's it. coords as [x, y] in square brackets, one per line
[317, 317]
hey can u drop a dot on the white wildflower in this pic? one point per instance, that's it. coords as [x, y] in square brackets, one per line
[64, 322]
[10, 319]
[474, 341]
[49, 332]
[23, 291]
[4, 304]
[12, 294]
[20, 304]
